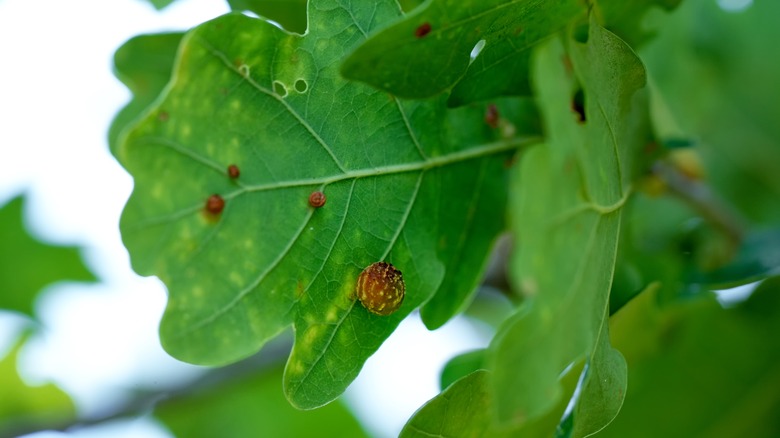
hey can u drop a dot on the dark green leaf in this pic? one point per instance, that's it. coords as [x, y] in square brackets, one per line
[460, 366]
[758, 258]
[144, 64]
[717, 73]
[23, 406]
[409, 183]
[406, 63]
[291, 14]
[253, 406]
[567, 221]
[627, 19]
[28, 265]
[699, 370]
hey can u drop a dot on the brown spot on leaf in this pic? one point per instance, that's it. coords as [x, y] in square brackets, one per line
[491, 116]
[422, 30]
[163, 116]
[233, 171]
[215, 204]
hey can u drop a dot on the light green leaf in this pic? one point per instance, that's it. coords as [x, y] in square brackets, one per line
[23, 406]
[291, 14]
[27, 265]
[253, 406]
[407, 65]
[566, 216]
[699, 370]
[144, 64]
[465, 408]
[396, 176]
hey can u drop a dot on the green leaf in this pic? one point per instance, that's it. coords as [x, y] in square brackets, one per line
[462, 410]
[407, 65]
[144, 64]
[404, 182]
[28, 265]
[291, 14]
[758, 258]
[699, 370]
[22, 406]
[627, 19]
[160, 4]
[460, 366]
[250, 407]
[717, 73]
[465, 408]
[566, 215]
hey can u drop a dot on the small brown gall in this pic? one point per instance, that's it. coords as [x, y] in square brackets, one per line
[317, 199]
[233, 171]
[215, 204]
[491, 116]
[380, 288]
[422, 30]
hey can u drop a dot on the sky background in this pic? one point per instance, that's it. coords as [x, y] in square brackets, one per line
[57, 98]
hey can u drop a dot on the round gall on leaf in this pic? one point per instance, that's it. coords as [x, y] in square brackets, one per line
[233, 171]
[380, 288]
[317, 199]
[215, 204]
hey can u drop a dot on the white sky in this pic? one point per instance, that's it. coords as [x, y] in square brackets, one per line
[57, 98]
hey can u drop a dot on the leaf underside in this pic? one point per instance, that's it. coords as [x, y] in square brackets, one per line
[413, 184]
[570, 194]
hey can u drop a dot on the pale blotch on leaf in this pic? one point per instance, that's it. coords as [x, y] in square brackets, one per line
[186, 130]
[243, 69]
[313, 334]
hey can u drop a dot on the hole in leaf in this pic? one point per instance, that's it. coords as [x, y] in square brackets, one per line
[280, 89]
[477, 50]
[734, 5]
[578, 105]
[580, 33]
[301, 86]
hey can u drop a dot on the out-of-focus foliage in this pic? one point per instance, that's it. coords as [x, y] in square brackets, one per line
[27, 265]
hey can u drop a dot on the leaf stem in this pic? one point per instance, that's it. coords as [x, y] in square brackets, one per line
[704, 200]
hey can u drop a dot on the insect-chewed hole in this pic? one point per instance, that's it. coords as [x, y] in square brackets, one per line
[477, 50]
[578, 105]
[580, 33]
[301, 86]
[280, 89]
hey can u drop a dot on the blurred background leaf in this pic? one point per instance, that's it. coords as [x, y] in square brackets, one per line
[699, 370]
[27, 265]
[253, 406]
[22, 405]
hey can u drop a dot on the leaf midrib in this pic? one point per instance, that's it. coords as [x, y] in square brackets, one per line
[479, 151]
